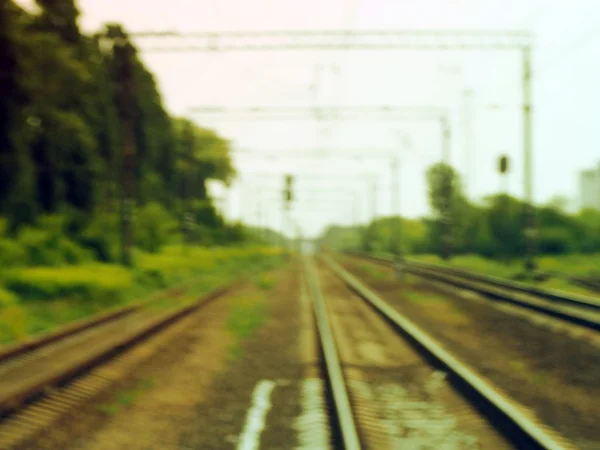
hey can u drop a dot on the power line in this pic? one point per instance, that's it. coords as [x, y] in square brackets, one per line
[335, 40]
[538, 13]
[571, 49]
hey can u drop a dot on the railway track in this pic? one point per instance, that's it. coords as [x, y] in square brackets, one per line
[43, 380]
[30, 346]
[591, 282]
[576, 309]
[392, 386]
[23, 349]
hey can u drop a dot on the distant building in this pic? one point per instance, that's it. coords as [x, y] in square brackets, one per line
[589, 185]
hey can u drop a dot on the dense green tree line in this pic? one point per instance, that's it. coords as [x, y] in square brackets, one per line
[493, 228]
[62, 134]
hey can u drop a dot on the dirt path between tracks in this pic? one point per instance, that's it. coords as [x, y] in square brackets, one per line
[270, 358]
[197, 394]
[552, 374]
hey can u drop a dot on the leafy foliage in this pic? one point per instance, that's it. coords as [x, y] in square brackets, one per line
[155, 227]
[61, 139]
[494, 228]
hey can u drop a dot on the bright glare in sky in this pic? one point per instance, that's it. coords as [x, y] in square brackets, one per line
[480, 90]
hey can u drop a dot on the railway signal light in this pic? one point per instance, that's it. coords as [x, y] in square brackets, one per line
[503, 164]
[288, 190]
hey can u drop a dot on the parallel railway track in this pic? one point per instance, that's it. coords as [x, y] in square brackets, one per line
[35, 378]
[507, 418]
[577, 309]
[26, 348]
[590, 282]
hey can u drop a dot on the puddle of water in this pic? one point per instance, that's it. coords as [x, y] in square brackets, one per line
[255, 419]
[415, 420]
[313, 423]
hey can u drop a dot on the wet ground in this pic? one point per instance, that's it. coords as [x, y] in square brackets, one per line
[247, 373]
[400, 401]
[266, 371]
[199, 392]
[552, 373]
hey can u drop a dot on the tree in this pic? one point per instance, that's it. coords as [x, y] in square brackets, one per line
[15, 165]
[589, 237]
[61, 133]
[505, 222]
[201, 155]
[59, 17]
[447, 202]
[342, 238]
[63, 145]
[559, 203]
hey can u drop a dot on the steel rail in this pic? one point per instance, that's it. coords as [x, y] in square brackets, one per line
[543, 301]
[34, 343]
[589, 282]
[563, 297]
[12, 401]
[12, 351]
[505, 415]
[332, 362]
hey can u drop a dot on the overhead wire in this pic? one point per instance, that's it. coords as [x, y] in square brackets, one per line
[571, 49]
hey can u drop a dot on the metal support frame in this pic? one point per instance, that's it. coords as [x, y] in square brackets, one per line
[530, 218]
[494, 40]
[124, 54]
[173, 41]
[330, 113]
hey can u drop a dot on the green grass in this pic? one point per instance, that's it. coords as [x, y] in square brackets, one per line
[561, 284]
[575, 264]
[265, 281]
[36, 300]
[126, 397]
[436, 305]
[87, 280]
[247, 313]
[419, 297]
[377, 273]
[475, 263]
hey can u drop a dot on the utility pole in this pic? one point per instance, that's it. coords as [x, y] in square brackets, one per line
[187, 182]
[123, 54]
[396, 222]
[445, 125]
[530, 219]
[447, 188]
[394, 206]
[468, 177]
[287, 199]
[467, 96]
[259, 218]
[373, 199]
[355, 210]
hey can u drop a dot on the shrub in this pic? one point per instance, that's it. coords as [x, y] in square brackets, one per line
[265, 282]
[154, 227]
[13, 319]
[48, 245]
[7, 298]
[11, 253]
[555, 241]
[177, 262]
[101, 237]
[92, 281]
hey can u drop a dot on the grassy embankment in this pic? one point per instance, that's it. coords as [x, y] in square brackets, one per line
[34, 300]
[575, 264]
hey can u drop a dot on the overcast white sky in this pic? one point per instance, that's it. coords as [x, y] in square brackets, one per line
[566, 95]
